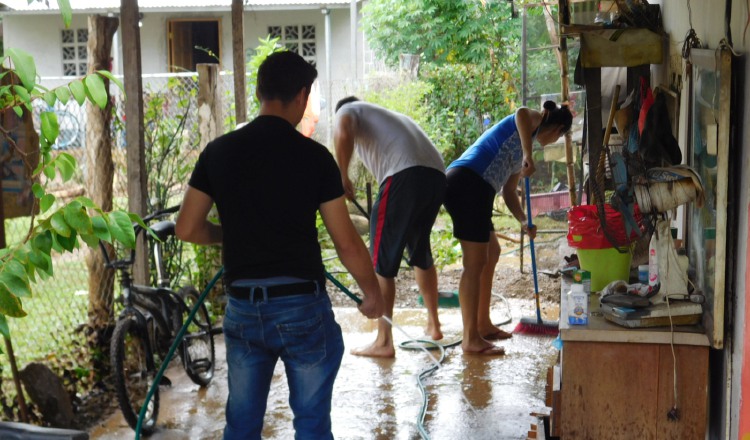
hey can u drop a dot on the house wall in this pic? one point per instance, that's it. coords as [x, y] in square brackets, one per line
[44, 41]
[730, 396]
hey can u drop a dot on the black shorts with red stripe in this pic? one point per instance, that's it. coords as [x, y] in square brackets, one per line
[403, 215]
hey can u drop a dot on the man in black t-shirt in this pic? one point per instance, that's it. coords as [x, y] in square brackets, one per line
[268, 182]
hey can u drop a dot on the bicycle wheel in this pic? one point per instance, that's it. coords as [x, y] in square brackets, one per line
[132, 377]
[198, 354]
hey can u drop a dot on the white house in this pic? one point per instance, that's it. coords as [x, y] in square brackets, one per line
[172, 29]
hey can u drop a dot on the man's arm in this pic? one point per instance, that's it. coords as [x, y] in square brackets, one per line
[192, 223]
[343, 142]
[513, 202]
[353, 254]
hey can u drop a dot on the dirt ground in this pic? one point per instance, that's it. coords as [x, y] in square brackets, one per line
[509, 281]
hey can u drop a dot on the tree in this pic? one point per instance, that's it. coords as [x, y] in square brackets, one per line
[476, 32]
[56, 227]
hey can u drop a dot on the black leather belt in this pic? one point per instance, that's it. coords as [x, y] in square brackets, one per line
[303, 288]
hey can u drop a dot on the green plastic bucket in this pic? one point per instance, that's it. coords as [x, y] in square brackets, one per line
[606, 265]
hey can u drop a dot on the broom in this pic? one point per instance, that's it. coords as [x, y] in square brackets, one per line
[531, 325]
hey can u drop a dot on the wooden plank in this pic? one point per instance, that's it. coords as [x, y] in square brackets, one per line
[609, 391]
[136, 156]
[692, 392]
[238, 62]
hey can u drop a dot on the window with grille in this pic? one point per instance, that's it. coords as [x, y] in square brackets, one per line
[74, 55]
[297, 38]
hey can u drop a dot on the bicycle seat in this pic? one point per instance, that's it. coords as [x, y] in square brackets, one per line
[164, 229]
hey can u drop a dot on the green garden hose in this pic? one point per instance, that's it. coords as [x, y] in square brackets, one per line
[175, 344]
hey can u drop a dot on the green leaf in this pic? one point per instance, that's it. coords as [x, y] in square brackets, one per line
[121, 228]
[22, 93]
[4, 329]
[96, 90]
[77, 217]
[18, 110]
[59, 225]
[107, 74]
[50, 126]
[46, 202]
[66, 11]
[50, 98]
[87, 202]
[10, 305]
[43, 242]
[23, 64]
[40, 260]
[16, 285]
[14, 267]
[66, 164]
[67, 243]
[49, 170]
[101, 228]
[38, 190]
[78, 90]
[90, 240]
[63, 94]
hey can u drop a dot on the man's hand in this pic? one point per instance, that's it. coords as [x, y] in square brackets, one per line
[372, 305]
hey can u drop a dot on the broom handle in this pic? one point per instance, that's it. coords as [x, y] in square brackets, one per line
[531, 247]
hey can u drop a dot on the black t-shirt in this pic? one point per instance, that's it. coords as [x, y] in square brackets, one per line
[268, 181]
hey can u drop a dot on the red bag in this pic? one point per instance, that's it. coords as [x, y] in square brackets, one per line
[585, 227]
[647, 99]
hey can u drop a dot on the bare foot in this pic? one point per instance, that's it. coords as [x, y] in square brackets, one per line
[375, 350]
[496, 335]
[434, 333]
[492, 350]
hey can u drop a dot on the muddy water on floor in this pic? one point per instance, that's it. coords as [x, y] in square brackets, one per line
[469, 397]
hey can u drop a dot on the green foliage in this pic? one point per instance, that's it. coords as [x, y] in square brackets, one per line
[56, 228]
[462, 97]
[266, 47]
[474, 32]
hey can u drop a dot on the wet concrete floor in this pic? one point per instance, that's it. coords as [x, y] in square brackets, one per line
[469, 397]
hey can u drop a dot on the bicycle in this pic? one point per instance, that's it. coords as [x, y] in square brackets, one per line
[147, 325]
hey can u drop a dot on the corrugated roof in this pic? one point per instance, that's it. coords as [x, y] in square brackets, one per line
[85, 5]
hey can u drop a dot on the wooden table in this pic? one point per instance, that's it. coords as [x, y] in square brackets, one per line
[618, 383]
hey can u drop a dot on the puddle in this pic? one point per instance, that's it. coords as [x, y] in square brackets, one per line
[468, 397]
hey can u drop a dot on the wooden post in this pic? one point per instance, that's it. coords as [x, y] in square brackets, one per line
[100, 175]
[210, 116]
[238, 60]
[136, 154]
[564, 19]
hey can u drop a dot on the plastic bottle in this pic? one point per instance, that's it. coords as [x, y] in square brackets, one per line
[578, 305]
[653, 263]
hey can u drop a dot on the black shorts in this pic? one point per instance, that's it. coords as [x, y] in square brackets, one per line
[403, 215]
[469, 200]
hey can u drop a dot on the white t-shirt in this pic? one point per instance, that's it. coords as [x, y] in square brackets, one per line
[388, 142]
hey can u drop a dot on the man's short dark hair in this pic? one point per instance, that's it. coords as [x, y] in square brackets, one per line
[283, 74]
[344, 101]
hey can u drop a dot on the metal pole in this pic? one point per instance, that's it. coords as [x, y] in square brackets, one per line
[329, 95]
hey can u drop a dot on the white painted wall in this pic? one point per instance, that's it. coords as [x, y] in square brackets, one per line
[708, 23]
[40, 36]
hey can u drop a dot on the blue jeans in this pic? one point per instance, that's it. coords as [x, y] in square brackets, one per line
[302, 331]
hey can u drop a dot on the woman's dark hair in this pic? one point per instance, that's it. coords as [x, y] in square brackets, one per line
[345, 101]
[283, 74]
[553, 115]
